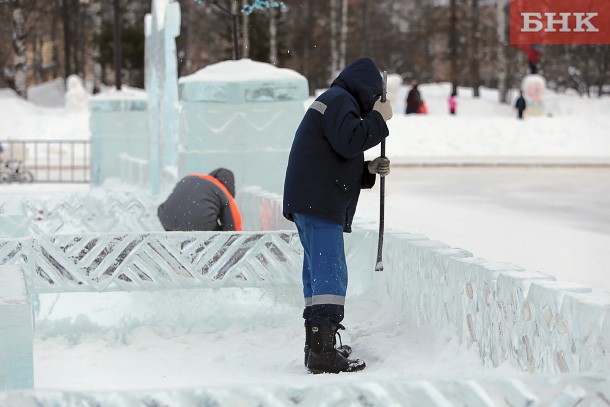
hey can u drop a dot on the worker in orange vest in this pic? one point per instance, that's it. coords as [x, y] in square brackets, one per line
[202, 202]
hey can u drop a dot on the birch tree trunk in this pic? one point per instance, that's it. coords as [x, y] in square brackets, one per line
[19, 57]
[235, 29]
[343, 48]
[453, 44]
[334, 52]
[273, 36]
[501, 51]
[364, 47]
[474, 57]
[96, 11]
[66, 15]
[37, 60]
[307, 44]
[55, 46]
[245, 19]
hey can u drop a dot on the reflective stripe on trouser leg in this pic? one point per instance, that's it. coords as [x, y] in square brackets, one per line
[324, 268]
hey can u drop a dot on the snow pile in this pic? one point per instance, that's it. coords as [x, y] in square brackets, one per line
[243, 70]
[76, 95]
[22, 120]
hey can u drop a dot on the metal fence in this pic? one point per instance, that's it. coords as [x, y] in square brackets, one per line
[53, 161]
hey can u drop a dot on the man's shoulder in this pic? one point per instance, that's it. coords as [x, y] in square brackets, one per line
[334, 96]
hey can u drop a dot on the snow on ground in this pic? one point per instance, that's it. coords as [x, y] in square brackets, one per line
[226, 337]
[121, 341]
[482, 128]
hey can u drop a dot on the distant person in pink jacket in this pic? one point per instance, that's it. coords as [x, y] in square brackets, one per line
[452, 103]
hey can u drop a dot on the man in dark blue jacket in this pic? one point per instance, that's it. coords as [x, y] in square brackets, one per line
[325, 173]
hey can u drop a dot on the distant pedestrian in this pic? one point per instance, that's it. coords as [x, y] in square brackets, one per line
[452, 101]
[202, 202]
[414, 100]
[520, 105]
[533, 55]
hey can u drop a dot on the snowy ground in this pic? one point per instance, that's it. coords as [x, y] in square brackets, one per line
[227, 337]
[553, 220]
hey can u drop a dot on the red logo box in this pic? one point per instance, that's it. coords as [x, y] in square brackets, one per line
[559, 22]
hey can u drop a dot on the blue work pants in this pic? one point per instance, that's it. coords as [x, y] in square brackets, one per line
[324, 269]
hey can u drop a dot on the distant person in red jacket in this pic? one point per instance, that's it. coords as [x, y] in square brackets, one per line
[533, 54]
[202, 202]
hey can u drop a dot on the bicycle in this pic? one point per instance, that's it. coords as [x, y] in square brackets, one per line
[12, 170]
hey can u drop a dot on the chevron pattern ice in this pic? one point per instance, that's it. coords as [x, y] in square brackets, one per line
[82, 213]
[156, 261]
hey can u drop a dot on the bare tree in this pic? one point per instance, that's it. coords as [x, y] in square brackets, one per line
[453, 45]
[334, 48]
[475, 79]
[501, 65]
[343, 40]
[19, 57]
[245, 43]
[364, 43]
[272, 12]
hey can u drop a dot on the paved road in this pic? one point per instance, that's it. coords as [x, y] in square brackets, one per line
[576, 197]
[553, 220]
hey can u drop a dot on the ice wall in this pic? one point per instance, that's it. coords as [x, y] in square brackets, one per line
[503, 311]
[13, 221]
[241, 115]
[118, 126]
[103, 262]
[16, 331]
[506, 313]
[98, 210]
[514, 392]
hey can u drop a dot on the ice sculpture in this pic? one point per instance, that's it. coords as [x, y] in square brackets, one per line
[533, 87]
[161, 28]
[118, 126]
[240, 115]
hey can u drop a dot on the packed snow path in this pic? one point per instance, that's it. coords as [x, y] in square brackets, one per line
[195, 338]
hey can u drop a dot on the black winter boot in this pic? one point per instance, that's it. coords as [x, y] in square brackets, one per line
[323, 357]
[344, 350]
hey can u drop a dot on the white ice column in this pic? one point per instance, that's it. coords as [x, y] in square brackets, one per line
[16, 330]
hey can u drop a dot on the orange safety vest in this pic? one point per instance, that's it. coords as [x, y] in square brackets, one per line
[232, 204]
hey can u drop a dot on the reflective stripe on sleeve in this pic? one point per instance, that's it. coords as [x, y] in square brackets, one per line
[319, 106]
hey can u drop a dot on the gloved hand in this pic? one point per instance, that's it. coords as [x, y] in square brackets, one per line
[385, 108]
[380, 165]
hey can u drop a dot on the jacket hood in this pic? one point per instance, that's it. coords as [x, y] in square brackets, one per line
[226, 177]
[363, 81]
